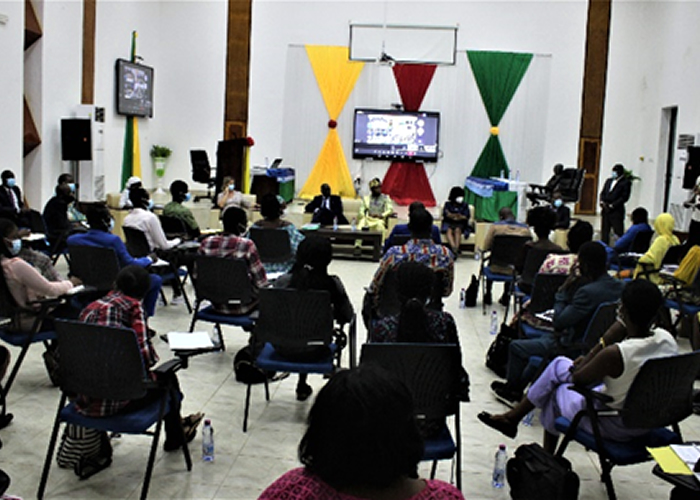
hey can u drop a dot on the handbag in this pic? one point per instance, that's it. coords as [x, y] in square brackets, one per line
[497, 355]
[534, 473]
[471, 293]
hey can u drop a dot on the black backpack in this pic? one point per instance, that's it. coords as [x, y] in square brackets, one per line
[471, 293]
[535, 474]
[245, 369]
[497, 355]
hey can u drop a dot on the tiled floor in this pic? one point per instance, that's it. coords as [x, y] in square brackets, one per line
[246, 463]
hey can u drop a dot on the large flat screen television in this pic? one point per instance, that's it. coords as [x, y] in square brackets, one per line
[396, 135]
[134, 89]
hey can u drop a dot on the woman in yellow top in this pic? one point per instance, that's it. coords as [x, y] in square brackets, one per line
[665, 239]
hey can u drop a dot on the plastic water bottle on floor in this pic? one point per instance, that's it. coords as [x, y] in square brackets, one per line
[493, 330]
[462, 298]
[527, 421]
[207, 441]
[354, 224]
[499, 468]
[335, 223]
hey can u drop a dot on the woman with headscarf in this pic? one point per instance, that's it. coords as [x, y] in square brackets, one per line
[664, 239]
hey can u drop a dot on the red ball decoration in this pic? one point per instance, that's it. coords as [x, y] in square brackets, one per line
[332, 123]
[249, 141]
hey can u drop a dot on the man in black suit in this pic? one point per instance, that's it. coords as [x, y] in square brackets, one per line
[326, 207]
[616, 192]
[11, 202]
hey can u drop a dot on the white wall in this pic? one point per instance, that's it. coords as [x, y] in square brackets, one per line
[11, 86]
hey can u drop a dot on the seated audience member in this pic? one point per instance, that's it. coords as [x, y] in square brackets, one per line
[41, 262]
[542, 220]
[415, 322]
[563, 213]
[653, 258]
[58, 225]
[455, 219]
[229, 197]
[611, 367]
[419, 248]
[374, 211]
[142, 219]
[25, 283]
[12, 204]
[548, 189]
[310, 272]
[580, 233]
[640, 222]
[133, 182]
[506, 225]
[402, 229]
[74, 215]
[232, 245]
[100, 235]
[122, 308]
[368, 414]
[271, 211]
[326, 208]
[179, 190]
[574, 306]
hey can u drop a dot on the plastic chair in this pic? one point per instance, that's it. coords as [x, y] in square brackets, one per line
[273, 244]
[674, 255]
[660, 396]
[137, 245]
[172, 226]
[544, 290]
[504, 252]
[640, 244]
[221, 280]
[674, 300]
[293, 321]
[105, 363]
[431, 373]
[95, 266]
[533, 261]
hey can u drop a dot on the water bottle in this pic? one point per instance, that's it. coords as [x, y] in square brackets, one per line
[354, 224]
[493, 330]
[207, 441]
[499, 468]
[335, 223]
[477, 255]
[517, 175]
[462, 298]
[527, 421]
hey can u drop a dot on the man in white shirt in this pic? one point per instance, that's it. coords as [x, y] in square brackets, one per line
[147, 222]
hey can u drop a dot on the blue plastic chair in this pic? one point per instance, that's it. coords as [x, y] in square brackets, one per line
[431, 373]
[505, 251]
[221, 280]
[293, 321]
[105, 363]
[660, 396]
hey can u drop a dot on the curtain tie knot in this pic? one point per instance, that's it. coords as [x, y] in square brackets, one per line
[494, 130]
[332, 123]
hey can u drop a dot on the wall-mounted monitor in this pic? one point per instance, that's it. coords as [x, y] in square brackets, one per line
[134, 89]
[396, 135]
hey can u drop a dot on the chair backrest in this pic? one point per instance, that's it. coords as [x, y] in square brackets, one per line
[674, 254]
[95, 266]
[662, 392]
[389, 303]
[506, 249]
[136, 242]
[533, 261]
[602, 319]
[544, 289]
[294, 318]
[172, 225]
[221, 280]
[36, 222]
[273, 244]
[100, 362]
[641, 241]
[430, 371]
[201, 170]
[400, 239]
[571, 184]
[8, 306]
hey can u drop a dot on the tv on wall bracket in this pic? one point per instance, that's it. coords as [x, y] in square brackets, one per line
[396, 135]
[134, 84]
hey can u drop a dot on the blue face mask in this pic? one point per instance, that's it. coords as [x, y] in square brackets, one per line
[150, 204]
[188, 196]
[71, 185]
[557, 203]
[11, 182]
[614, 175]
[231, 187]
[15, 246]
[110, 226]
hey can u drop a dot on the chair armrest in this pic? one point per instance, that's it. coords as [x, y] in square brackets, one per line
[170, 366]
[590, 394]
[46, 303]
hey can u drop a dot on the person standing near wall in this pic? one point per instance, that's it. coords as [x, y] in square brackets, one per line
[615, 193]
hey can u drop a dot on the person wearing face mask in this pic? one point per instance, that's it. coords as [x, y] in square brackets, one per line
[455, 219]
[74, 215]
[142, 219]
[615, 193]
[179, 190]
[58, 225]
[562, 211]
[12, 205]
[326, 207]
[133, 182]
[100, 235]
[229, 197]
[24, 282]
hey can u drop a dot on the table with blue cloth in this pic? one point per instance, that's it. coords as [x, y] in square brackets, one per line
[488, 196]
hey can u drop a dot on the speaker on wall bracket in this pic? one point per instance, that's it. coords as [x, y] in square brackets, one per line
[76, 139]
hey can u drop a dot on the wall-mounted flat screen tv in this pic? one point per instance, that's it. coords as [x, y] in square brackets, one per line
[134, 89]
[396, 135]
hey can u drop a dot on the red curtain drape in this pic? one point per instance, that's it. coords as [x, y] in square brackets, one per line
[406, 182]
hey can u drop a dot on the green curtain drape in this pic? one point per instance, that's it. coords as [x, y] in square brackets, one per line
[498, 75]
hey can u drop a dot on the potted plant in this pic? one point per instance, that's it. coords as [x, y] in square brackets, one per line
[160, 155]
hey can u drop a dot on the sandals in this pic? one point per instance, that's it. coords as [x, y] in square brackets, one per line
[505, 428]
[189, 430]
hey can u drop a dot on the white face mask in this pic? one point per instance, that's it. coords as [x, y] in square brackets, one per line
[460, 199]
[15, 246]
[557, 203]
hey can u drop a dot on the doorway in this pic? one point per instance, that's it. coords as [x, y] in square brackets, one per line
[667, 145]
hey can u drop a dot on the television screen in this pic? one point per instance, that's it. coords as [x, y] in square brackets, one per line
[396, 135]
[134, 89]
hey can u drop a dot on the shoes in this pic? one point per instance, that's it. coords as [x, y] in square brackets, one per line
[189, 429]
[163, 337]
[303, 392]
[505, 428]
[488, 300]
[504, 300]
[177, 301]
[506, 393]
[150, 333]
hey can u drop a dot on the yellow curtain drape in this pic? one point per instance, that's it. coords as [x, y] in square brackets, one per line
[336, 76]
[136, 165]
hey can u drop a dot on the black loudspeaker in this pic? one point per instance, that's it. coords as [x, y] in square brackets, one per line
[76, 139]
